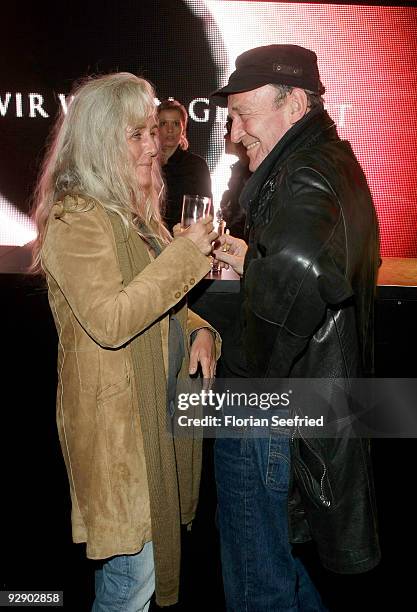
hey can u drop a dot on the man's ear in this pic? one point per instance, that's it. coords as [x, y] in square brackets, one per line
[298, 104]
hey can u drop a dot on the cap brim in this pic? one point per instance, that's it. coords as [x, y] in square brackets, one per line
[219, 97]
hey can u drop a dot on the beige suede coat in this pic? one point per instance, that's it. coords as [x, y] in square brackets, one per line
[97, 412]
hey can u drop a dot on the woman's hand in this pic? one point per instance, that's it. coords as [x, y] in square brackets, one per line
[231, 251]
[202, 233]
[203, 351]
[177, 230]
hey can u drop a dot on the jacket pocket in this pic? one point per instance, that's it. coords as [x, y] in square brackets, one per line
[311, 473]
[115, 373]
[110, 391]
[278, 469]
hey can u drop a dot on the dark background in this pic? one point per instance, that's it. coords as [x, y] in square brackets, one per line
[47, 46]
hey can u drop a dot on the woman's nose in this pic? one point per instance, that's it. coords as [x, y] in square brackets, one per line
[153, 149]
[151, 146]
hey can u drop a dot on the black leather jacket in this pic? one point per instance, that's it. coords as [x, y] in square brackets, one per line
[307, 295]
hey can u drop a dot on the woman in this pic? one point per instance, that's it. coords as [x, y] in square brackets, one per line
[184, 172]
[116, 286]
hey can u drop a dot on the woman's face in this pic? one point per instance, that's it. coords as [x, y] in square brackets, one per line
[143, 144]
[171, 128]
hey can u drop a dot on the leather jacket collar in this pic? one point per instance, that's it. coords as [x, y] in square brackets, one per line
[303, 134]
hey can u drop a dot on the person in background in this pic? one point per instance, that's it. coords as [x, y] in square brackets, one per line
[308, 272]
[232, 213]
[184, 172]
[117, 286]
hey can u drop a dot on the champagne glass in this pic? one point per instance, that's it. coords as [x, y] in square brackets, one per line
[220, 227]
[194, 207]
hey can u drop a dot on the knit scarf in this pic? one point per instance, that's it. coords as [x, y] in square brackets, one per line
[173, 465]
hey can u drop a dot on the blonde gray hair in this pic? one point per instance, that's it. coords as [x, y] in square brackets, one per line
[88, 155]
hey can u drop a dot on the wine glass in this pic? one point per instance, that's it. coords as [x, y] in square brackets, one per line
[194, 207]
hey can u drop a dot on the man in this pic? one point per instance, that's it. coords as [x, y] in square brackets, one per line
[308, 277]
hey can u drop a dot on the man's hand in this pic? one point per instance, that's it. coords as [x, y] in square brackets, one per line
[203, 351]
[231, 251]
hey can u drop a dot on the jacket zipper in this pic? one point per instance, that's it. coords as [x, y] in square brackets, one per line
[324, 500]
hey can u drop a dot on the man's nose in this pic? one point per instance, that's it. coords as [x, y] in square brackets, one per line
[237, 131]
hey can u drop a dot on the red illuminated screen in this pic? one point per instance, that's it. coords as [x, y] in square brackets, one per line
[367, 58]
[368, 62]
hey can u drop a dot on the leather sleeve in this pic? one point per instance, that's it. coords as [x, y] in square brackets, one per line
[297, 272]
[79, 252]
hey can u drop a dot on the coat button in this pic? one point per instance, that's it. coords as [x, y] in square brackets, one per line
[192, 281]
[185, 288]
[178, 295]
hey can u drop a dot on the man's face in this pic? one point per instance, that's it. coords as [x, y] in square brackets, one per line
[257, 123]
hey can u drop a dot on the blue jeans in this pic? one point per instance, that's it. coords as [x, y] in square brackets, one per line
[126, 583]
[260, 573]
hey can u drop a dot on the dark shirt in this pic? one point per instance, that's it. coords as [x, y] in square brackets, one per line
[184, 173]
[233, 214]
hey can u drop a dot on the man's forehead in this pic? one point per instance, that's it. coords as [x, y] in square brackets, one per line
[249, 99]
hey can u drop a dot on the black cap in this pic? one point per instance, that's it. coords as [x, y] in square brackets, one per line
[281, 64]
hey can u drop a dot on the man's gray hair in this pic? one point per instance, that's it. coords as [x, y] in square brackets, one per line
[313, 99]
